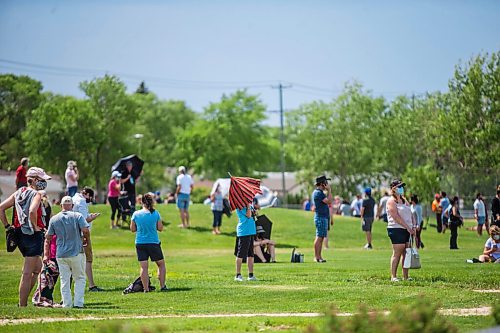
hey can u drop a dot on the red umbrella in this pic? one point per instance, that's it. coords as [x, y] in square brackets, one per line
[242, 191]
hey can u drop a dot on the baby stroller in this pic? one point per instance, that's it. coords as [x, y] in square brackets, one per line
[124, 210]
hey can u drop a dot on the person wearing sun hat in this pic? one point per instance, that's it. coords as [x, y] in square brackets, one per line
[400, 226]
[29, 226]
[321, 214]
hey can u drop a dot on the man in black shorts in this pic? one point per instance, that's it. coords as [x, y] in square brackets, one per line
[367, 217]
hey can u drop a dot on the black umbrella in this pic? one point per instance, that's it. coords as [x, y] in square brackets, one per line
[120, 165]
[266, 224]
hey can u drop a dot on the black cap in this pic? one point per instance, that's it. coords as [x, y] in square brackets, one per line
[321, 180]
[397, 183]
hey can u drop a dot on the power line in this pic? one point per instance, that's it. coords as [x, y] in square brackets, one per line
[176, 83]
[138, 76]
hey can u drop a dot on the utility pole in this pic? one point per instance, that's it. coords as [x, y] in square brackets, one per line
[282, 141]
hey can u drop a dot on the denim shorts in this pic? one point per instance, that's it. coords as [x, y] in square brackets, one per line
[321, 226]
[481, 220]
[183, 201]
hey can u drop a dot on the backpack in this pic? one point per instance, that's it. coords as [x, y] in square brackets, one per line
[226, 207]
[137, 287]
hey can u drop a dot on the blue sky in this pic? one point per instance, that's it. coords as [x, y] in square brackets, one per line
[198, 50]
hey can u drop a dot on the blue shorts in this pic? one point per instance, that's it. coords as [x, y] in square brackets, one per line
[481, 220]
[183, 201]
[321, 226]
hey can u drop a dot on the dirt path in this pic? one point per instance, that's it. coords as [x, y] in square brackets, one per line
[484, 311]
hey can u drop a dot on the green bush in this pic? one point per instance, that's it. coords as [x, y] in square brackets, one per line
[418, 317]
[199, 194]
[495, 312]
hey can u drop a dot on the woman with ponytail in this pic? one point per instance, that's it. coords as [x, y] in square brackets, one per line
[146, 223]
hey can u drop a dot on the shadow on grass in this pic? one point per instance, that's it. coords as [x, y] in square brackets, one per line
[170, 290]
[101, 305]
[208, 230]
[285, 246]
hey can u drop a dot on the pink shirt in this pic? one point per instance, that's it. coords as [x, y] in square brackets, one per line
[112, 191]
[68, 174]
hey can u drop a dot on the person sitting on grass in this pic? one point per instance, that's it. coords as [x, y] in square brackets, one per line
[264, 249]
[146, 223]
[491, 251]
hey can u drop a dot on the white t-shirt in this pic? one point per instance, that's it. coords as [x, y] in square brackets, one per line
[490, 243]
[479, 205]
[185, 181]
[80, 205]
[356, 206]
[383, 202]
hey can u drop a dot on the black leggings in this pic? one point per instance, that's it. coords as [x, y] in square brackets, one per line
[114, 206]
[453, 236]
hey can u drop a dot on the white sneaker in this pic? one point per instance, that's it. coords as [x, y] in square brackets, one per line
[239, 278]
[366, 247]
[252, 278]
[395, 279]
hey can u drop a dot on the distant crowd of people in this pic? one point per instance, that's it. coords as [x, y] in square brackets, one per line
[60, 246]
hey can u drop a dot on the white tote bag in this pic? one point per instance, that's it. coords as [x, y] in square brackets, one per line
[412, 258]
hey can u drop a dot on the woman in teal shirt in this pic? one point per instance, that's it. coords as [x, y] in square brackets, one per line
[146, 223]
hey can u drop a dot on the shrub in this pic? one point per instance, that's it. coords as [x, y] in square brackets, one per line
[199, 194]
[418, 317]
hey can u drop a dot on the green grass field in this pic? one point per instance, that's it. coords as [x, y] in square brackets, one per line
[200, 271]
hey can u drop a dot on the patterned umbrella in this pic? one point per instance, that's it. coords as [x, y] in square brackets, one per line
[242, 191]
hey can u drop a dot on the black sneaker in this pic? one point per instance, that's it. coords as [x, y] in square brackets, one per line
[95, 289]
[164, 289]
[77, 307]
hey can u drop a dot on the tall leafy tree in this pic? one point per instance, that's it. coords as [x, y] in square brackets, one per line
[19, 96]
[339, 138]
[62, 128]
[228, 137]
[160, 123]
[473, 121]
[114, 114]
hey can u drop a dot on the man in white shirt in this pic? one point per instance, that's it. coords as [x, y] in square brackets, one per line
[356, 205]
[382, 210]
[80, 204]
[480, 214]
[183, 192]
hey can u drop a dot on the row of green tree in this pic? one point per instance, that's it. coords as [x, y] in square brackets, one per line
[357, 138]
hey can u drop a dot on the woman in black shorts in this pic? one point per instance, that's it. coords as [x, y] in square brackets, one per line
[146, 223]
[400, 227]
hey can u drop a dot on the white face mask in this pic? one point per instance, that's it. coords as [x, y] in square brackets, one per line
[496, 237]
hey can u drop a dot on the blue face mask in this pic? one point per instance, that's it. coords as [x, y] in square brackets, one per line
[400, 190]
[41, 184]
